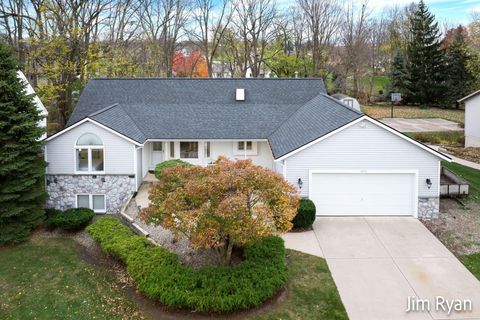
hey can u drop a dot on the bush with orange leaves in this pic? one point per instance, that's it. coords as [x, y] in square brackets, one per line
[232, 203]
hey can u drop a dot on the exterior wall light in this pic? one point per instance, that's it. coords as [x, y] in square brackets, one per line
[429, 183]
[300, 183]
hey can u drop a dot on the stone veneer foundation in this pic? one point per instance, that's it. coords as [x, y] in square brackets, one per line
[62, 189]
[428, 208]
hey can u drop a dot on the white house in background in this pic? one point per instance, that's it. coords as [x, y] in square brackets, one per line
[43, 111]
[346, 162]
[472, 119]
[349, 101]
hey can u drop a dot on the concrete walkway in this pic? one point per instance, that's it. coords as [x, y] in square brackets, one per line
[421, 125]
[461, 161]
[378, 262]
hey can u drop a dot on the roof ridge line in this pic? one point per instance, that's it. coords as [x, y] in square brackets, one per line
[342, 104]
[134, 122]
[102, 110]
[291, 115]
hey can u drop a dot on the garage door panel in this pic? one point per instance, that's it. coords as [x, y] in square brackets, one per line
[363, 193]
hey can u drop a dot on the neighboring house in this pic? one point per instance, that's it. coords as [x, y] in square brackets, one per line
[345, 161]
[41, 108]
[349, 101]
[472, 119]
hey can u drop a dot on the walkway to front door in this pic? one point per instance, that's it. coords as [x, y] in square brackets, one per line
[379, 262]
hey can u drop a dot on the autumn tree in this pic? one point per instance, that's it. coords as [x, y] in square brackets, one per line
[232, 203]
[190, 66]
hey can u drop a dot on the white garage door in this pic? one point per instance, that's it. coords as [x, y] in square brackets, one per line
[338, 194]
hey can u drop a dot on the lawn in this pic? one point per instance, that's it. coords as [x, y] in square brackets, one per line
[472, 262]
[468, 218]
[469, 174]
[312, 294]
[47, 279]
[413, 112]
[444, 138]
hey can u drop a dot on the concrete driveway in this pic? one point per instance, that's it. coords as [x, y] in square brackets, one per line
[378, 262]
[421, 125]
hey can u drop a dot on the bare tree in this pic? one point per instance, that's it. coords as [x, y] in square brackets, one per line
[323, 18]
[162, 22]
[211, 20]
[355, 36]
[254, 22]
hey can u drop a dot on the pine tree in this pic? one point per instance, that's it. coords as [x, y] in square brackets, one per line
[399, 81]
[22, 170]
[458, 78]
[425, 57]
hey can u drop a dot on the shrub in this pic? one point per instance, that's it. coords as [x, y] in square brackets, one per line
[71, 219]
[305, 214]
[169, 164]
[161, 276]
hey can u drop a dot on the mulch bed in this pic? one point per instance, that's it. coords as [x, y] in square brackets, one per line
[470, 154]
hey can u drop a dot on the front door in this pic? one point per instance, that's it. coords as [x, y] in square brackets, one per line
[157, 154]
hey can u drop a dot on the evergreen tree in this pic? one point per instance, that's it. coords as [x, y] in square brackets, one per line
[399, 80]
[22, 170]
[458, 78]
[425, 57]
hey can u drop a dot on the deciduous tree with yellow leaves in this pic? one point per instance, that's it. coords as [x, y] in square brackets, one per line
[232, 203]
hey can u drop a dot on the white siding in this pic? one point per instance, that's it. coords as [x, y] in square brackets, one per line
[118, 151]
[217, 148]
[367, 148]
[472, 122]
[139, 172]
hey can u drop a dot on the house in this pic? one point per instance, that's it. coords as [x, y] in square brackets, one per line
[349, 101]
[472, 119]
[40, 107]
[345, 161]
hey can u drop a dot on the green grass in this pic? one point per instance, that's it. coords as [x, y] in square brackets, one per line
[469, 174]
[312, 294]
[46, 279]
[472, 262]
[446, 138]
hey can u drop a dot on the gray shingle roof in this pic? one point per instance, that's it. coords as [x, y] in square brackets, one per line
[287, 112]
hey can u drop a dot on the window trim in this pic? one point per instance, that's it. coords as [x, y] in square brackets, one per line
[180, 150]
[89, 148]
[90, 201]
[252, 152]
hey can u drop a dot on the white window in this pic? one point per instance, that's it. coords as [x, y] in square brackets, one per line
[89, 154]
[157, 146]
[172, 149]
[189, 150]
[245, 148]
[96, 202]
[207, 149]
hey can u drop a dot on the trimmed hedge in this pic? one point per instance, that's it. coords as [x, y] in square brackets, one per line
[168, 164]
[305, 214]
[71, 219]
[161, 276]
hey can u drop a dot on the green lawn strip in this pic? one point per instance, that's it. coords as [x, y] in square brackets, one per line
[472, 262]
[312, 293]
[449, 138]
[47, 279]
[469, 174]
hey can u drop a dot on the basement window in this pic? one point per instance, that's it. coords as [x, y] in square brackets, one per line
[96, 202]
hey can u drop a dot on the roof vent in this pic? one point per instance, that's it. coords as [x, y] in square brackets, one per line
[240, 96]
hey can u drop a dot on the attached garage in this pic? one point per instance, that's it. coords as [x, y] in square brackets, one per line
[366, 168]
[364, 193]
